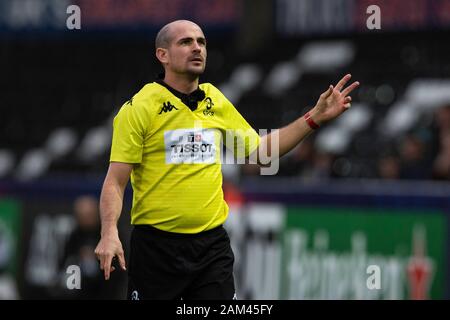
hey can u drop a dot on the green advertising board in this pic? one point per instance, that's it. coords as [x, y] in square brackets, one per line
[9, 235]
[348, 253]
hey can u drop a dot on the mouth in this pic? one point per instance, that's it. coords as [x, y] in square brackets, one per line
[197, 60]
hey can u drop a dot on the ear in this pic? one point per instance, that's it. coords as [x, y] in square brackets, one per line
[162, 55]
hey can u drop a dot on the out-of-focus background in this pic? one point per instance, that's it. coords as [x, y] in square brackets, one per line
[358, 211]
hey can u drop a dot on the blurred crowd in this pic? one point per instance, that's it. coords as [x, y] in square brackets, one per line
[421, 153]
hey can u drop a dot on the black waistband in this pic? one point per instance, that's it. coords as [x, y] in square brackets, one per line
[155, 231]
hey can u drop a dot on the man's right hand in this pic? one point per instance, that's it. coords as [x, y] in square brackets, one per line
[107, 249]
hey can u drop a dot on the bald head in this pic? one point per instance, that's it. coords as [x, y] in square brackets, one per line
[169, 31]
[181, 49]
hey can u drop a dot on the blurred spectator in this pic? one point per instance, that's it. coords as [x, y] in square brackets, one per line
[232, 194]
[443, 118]
[79, 251]
[413, 158]
[303, 161]
[321, 167]
[441, 165]
[389, 168]
[299, 160]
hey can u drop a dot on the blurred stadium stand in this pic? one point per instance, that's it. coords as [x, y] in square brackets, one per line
[60, 90]
[71, 88]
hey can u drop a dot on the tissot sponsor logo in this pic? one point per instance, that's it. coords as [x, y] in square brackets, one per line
[193, 148]
[190, 146]
[194, 144]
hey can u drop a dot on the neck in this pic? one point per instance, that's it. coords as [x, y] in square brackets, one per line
[183, 83]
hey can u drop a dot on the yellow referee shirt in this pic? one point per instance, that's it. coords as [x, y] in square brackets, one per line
[177, 178]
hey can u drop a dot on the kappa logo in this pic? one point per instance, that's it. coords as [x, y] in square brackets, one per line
[130, 102]
[209, 105]
[167, 107]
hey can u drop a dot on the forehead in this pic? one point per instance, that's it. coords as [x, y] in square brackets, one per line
[186, 30]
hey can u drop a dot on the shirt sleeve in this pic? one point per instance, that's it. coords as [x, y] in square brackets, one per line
[240, 137]
[130, 128]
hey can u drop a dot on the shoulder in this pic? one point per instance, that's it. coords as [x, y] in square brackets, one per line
[214, 93]
[145, 99]
[149, 93]
[211, 90]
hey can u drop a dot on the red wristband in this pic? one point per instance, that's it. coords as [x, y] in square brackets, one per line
[310, 121]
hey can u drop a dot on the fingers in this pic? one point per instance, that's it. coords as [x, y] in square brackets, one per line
[347, 99]
[122, 260]
[327, 93]
[347, 106]
[343, 81]
[100, 258]
[107, 266]
[350, 88]
[106, 254]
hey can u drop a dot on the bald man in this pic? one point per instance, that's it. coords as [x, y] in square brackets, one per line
[167, 138]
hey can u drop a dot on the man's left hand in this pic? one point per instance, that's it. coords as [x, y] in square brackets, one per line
[334, 101]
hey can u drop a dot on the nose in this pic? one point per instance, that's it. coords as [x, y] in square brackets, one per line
[196, 46]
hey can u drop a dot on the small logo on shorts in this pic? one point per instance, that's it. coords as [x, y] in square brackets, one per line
[135, 295]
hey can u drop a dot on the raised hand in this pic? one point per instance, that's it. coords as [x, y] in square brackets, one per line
[334, 101]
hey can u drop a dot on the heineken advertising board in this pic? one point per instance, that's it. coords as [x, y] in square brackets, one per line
[328, 254]
[340, 253]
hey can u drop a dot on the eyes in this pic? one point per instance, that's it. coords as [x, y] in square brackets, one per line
[189, 41]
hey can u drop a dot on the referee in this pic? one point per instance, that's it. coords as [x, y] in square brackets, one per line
[167, 139]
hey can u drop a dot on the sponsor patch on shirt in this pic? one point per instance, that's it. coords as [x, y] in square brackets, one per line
[191, 146]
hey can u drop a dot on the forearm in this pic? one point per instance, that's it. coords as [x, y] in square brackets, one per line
[291, 135]
[111, 202]
[285, 139]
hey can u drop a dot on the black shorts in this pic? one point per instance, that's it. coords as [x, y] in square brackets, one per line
[166, 265]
